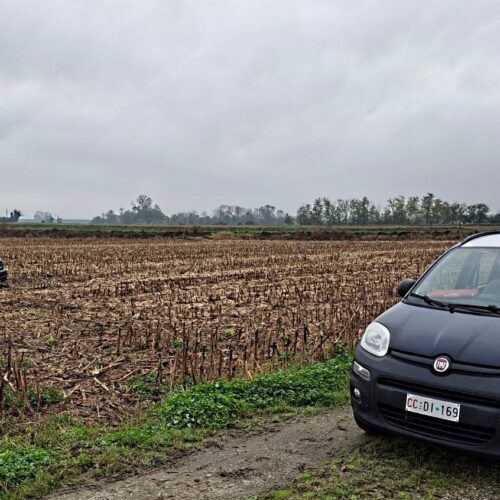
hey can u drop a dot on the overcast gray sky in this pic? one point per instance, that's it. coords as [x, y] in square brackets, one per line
[204, 102]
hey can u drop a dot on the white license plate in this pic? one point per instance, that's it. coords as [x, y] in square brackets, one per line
[433, 407]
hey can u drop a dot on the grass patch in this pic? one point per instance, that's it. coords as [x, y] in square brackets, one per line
[218, 405]
[222, 232]
[390, 467]
[147, 388]
[61, 451]
[18, 464]
[44, 396]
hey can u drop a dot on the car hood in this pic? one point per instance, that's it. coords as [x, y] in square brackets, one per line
[466, 338]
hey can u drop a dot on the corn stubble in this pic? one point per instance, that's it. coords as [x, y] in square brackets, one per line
[87, 316]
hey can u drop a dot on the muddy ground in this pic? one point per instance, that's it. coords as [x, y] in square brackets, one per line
[241, 463]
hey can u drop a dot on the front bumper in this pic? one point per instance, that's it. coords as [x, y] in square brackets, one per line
[382, 403]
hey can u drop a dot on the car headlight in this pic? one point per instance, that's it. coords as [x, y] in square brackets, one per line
[376, 339]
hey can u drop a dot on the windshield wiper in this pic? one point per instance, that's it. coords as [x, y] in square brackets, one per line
[452, 306]
[430, 301]
[474, 307]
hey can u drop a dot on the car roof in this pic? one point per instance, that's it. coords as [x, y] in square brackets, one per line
[489, 239]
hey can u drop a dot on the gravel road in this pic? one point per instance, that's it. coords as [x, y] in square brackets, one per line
[237, 464]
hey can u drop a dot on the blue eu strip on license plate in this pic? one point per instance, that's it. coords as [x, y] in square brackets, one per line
[433, 407]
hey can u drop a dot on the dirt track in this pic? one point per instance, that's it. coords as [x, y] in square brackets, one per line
[241, 463]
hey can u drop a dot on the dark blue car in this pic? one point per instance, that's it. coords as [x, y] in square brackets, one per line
[429, 367]
[3, 272]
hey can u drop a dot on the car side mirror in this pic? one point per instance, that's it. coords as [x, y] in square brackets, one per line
[405, 286]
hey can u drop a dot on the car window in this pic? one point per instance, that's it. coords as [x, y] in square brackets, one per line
[446, 276]
[465, 276]
[487, 260]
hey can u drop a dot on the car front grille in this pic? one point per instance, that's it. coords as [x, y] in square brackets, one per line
[440, 392]
[456, 367]
[442, 429]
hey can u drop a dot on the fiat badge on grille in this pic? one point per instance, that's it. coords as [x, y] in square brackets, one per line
[441, 364]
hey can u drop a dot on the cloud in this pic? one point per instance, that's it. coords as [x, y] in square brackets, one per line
[199, 103]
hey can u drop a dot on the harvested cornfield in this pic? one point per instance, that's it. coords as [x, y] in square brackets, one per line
[82, 318]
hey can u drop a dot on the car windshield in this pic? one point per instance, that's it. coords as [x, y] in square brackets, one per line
[467, 276]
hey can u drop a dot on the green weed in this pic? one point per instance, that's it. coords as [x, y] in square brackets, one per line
[180, 421]
[18, 463]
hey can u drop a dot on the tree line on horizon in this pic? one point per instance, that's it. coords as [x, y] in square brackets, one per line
[145, 211]
[414, 210]
[425, 210]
